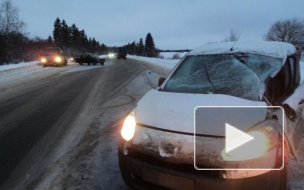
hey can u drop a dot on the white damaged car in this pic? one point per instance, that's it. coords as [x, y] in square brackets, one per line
[157, 145]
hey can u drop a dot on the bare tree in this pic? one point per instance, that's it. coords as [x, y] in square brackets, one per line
[291, 31]
[233, 36]
[9, 20]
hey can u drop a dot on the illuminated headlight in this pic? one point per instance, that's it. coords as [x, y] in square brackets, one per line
[128, 128]
[264, 139]
[57, 59]
[111, 55]
[43, 60]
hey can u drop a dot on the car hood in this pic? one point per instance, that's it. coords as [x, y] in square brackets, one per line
[175, 111]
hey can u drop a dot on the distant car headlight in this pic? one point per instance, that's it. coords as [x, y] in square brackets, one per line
[43, 60]
[128, 128]
[111, 55]
[265, 138]
[58, 59]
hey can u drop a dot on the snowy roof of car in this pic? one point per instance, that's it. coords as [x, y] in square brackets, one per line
[274, 49]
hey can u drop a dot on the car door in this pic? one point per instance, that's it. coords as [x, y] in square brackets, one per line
[295, 128]
[284, 90]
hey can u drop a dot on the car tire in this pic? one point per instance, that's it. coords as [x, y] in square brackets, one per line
[80, 63]
[102, 63]
[89, 63]
[94, 63]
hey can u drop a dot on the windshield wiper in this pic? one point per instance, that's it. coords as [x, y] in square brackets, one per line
[209, 78]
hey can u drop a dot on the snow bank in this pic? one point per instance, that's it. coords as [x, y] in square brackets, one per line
[170, 55]
[167, 64]
[19, 65]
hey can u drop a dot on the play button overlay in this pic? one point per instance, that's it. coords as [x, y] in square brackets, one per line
[235, 138]
[238, 138]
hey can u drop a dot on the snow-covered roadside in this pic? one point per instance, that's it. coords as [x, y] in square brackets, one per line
[172, 55]
[164, 63]
[12, 76]
[18, 66]
[16, 75]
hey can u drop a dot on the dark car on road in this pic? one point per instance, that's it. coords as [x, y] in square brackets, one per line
[121, 55]
[53, 56]
[89, 58]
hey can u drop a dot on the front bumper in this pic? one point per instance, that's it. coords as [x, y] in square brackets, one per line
[144, 172]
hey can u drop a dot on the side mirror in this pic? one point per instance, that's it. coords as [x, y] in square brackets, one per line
[161, 81]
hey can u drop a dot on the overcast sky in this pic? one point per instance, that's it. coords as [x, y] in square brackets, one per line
[174, 24]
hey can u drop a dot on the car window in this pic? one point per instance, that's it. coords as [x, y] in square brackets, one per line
[241, 75]
[280, 86]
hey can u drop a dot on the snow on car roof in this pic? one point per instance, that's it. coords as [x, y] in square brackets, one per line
[274, 49]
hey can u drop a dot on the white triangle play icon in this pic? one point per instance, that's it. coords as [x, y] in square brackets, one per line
[235, 137]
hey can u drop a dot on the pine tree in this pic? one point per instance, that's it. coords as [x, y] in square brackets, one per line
[57, 35]
[64, 32]
[83, 38]
[75, 35]
[150, 50]
[94, 43]
[50, 39]
[140, 48]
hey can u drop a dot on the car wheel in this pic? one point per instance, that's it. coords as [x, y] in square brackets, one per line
[102, 63]
[94, 63]
[80, 63]
[89, 63]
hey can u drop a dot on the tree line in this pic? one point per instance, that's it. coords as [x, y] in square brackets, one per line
[76, 41]
[73, 39]
[140, 48]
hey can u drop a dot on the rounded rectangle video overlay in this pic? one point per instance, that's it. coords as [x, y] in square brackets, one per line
[238, 138]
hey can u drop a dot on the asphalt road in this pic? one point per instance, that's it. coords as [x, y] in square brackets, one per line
[39, 117]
